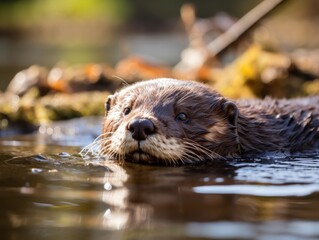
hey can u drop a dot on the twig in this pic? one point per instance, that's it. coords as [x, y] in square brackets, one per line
[244, 24]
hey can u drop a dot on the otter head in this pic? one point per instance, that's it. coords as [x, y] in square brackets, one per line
[168, 121]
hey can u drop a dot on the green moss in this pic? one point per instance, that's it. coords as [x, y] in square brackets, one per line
[37, 12]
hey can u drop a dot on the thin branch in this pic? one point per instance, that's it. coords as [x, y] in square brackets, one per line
[243, 25]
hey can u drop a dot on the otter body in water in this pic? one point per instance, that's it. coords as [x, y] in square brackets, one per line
[168, 121]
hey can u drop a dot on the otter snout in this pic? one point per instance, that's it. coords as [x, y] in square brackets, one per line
[141, 128]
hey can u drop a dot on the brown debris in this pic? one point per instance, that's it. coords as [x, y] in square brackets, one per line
[134, 69]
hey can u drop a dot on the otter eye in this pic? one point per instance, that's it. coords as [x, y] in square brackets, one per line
[127, 110]
[182, 117]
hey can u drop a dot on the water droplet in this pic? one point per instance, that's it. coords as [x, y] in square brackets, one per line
[107, 186]
[219, 180]
[36, 170]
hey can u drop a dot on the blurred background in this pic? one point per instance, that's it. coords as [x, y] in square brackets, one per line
[46, 32]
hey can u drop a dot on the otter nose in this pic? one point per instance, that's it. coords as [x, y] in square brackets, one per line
[141, 128]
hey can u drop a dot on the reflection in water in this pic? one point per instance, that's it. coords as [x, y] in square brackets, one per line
[265, 191]
[52, 195]
[268, 230]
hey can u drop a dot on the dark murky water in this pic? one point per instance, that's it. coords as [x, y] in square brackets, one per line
[48, 191]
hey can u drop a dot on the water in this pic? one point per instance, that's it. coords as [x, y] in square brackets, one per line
[48, 191]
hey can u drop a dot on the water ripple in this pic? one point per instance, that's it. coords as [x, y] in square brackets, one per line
[279, 171]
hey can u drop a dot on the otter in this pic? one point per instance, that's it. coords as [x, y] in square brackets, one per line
[172, 122]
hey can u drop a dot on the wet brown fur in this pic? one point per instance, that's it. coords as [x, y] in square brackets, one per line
[224, 127]
[278, 125]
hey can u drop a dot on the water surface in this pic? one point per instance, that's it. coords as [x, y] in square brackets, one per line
[48, 191]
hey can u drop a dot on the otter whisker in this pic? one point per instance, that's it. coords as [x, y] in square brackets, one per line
[94, 147]
[183, 162]
[121, 155]
[200, 147]
[97, 142]
[189, 157]
[180, 159]
[109, 154]
[192, 154]
[169, 159]
[102, 135]
[124, 82]
[184, 98]
[210, 154]
[191, 148]
[104, 149]
[88, 148]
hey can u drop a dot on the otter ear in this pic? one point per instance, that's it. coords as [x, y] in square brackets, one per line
[109, 103]
[231, 112]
